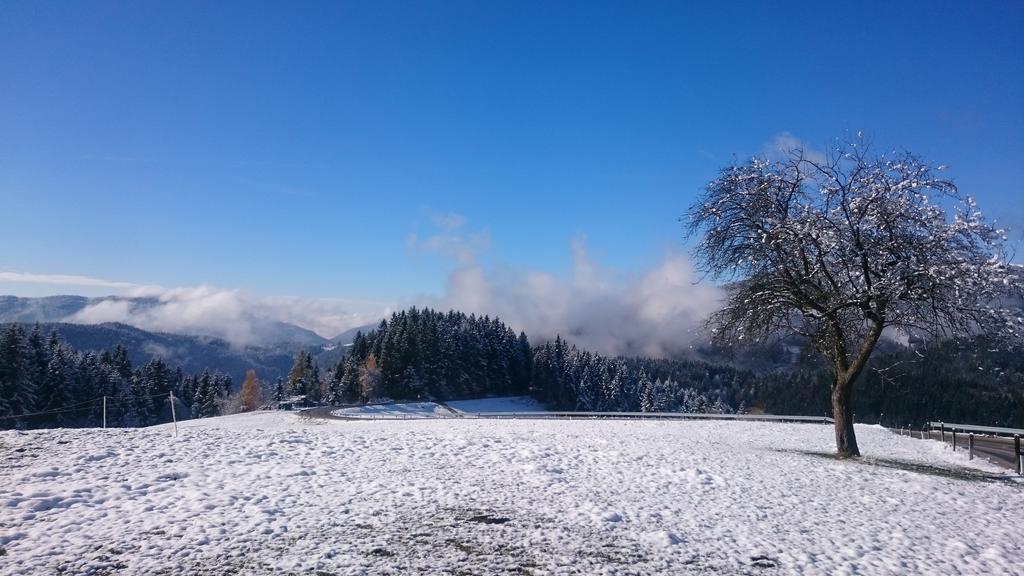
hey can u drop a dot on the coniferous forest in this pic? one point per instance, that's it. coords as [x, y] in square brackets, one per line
[45, 383]
[421, 354]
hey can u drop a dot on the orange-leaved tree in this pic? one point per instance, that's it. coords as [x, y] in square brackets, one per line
[251, 396]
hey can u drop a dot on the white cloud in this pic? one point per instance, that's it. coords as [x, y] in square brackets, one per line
[105, 311]
[231, 314]
[657, 312]
[237, 317]
[782, 144]
[62, 280]
[450, 239]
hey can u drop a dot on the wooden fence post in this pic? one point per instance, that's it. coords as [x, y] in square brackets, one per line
[970, 446]
[1016, 452]
[174, 416]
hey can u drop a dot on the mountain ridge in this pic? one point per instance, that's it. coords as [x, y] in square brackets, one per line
[65, 308]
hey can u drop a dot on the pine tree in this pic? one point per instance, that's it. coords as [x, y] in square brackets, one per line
[523, 355]
[297, 375]
[351, 389]
[11, 373]
[205, 403]
[334, 377]
[37, 361]
[141, 400]
[187, 390]
[121, 363]
[19, 381]
[646, 392]
[279, 391]
[312, 382]
[224, 384]
[158, 376]
[55, 393]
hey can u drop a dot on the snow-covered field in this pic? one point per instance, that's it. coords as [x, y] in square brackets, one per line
[452, 408]
[270, 493]
[500, 404]
[402, 410]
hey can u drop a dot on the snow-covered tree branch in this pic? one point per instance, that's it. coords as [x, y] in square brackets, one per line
[842, 248]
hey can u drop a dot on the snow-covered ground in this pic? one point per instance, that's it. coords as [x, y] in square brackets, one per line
[500, 404]
[432, 409]
[270, 493]
[396, 410]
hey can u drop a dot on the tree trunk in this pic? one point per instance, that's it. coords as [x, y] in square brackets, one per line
[842, 413]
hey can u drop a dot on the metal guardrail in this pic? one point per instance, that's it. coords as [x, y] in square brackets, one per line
[649, 416]
[591, 416]
[972, 428]
[999, 433]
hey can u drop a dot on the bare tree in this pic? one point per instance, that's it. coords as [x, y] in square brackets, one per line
[842, 246]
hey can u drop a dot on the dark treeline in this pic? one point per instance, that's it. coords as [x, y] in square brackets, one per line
[419, 354]
[428, 354]
[966, 381]
[567, 378]
[424, 354]
[46, 383]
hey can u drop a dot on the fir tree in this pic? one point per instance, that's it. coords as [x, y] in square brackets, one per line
[205, 403]
[351, 390]
[297, 376]
[646, 388]
[16, 393]
[279, 391]
[55, 392]
[311, 379]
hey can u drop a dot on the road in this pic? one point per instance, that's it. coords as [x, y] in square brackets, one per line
[995, 449]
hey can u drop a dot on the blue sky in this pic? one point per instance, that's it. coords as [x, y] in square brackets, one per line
[359, 150]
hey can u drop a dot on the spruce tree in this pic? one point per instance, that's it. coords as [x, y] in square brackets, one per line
[297, 376]
[142, 401]
[55, 393]
[205, 403]
[351, 390]
[646, 388]
[279, 392]
[17, 390]
[313, 386]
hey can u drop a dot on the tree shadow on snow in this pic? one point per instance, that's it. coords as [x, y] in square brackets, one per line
[953, 472]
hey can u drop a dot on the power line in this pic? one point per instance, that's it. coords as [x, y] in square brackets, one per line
[72, 407]
[57, 411]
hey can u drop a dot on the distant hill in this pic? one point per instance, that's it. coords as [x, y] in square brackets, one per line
[46, 309]
[192, 353]
[349, 335]
[264, 331]
[327, 355]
